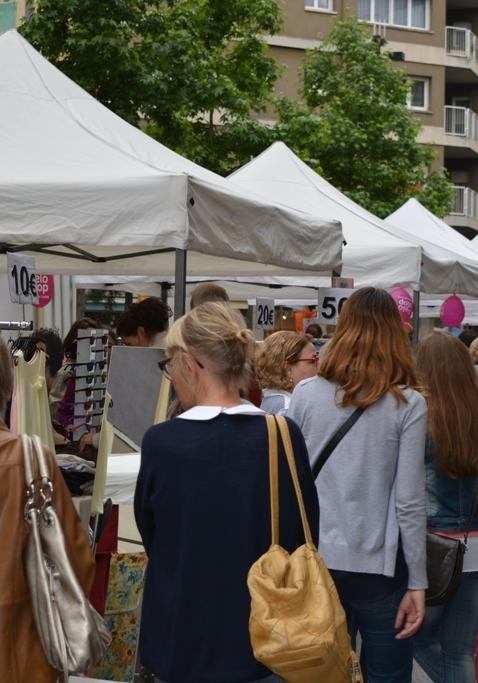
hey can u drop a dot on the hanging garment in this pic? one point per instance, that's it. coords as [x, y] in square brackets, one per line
[30, 409]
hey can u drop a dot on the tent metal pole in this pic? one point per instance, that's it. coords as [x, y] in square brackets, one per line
[416, 317]
[180, 284]
[165, 287]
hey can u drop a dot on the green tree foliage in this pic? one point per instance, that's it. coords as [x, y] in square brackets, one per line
[355, 128]
[210, 66]
[184, 66]
[96, 45]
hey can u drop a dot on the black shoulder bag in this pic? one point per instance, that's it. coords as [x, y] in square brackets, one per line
[445, 561]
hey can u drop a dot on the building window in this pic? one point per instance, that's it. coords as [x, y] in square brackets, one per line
[319, 4]
[419, 95]
[407, 13]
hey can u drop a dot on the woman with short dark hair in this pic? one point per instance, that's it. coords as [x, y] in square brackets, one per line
[144, 323]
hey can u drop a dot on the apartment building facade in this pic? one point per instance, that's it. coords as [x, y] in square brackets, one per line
[436, 42]
[11, 13]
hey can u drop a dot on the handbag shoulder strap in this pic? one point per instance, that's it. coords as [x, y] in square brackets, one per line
[27, 461]
[273, 478]
[289, 452]
[32, 446]
[334, 441]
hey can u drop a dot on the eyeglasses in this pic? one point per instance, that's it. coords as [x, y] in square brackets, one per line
[91, 380]
[166, 365]
[87, 421]
[88, 405]
[90, 365]
[309, 359]
[93, 339]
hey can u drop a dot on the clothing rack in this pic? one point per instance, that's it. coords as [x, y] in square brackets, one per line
[21, 326]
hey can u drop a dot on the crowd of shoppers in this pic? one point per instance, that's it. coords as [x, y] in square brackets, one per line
[206, 471]
[406, 462]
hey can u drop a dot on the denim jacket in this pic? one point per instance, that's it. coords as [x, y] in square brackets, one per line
[448, 500]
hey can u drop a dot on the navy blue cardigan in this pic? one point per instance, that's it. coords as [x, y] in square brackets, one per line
[202, 508]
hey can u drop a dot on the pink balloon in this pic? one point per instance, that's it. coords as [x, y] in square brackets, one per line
[452, 311]
[404, 303]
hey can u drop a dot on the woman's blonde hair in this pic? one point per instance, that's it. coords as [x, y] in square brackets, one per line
[6, 375]
[274, 353]
[369, 353]
[216, 333]
[449, 379]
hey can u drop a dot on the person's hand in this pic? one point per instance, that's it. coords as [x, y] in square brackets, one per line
[86, 440]
[411, 612]
[59, 439]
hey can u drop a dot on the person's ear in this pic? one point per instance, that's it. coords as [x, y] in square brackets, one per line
[142, 336]
[190, 366]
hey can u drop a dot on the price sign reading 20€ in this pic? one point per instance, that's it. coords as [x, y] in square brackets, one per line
[330, 304]
[22, 279]
[265, 314]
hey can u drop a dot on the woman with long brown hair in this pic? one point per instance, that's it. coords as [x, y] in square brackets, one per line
[372, 487]
[445, 645]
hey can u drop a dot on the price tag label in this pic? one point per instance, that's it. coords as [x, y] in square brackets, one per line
[330, 304]
[265, 314]
[22, 279]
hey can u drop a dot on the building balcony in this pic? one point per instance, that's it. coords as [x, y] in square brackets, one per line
[461, 50]
[8, 16]
[461, 130]
[462, 43]
[464, 212]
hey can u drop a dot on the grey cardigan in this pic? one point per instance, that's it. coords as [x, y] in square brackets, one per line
[372, 489]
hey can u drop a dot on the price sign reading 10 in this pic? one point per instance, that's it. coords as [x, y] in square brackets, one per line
[22, 278]
[24, 281]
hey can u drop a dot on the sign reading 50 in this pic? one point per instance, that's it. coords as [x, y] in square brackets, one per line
[330, 303]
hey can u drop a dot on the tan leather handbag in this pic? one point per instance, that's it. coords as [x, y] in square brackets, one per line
[297, 625]
[72, 634]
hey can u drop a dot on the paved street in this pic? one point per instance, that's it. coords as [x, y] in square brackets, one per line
[419, 676]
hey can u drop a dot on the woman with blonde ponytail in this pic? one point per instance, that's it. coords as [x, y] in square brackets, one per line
[202, 506]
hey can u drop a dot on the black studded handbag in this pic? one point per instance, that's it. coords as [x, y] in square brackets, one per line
[445, 561]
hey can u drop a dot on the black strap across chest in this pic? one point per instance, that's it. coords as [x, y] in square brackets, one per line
[334, 441]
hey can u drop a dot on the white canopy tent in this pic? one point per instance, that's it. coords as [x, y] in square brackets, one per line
[371, 255]
[449, 262]
[88, 193]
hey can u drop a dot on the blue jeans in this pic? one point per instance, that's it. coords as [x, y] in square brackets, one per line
[385, 659]
[445, 645]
